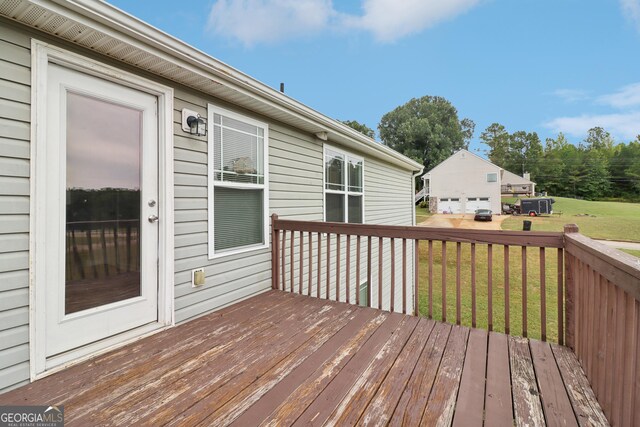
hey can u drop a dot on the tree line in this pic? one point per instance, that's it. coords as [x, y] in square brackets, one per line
[429, 130]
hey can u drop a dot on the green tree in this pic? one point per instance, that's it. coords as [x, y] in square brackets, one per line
[360, 127]
[426, 129]
[497, 138]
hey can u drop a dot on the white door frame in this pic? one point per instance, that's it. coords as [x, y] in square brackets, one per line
[41, 55]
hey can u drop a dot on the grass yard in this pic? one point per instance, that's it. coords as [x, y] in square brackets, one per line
[632, 252]
[422, 214]
[605, 220]
[515, 287]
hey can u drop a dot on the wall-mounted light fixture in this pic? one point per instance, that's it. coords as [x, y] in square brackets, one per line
[193, 123]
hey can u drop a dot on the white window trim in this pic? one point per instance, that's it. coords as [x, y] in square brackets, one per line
[215, 109]
[42, 54]
[346, 192]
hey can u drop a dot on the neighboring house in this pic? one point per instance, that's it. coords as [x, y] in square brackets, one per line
[463, 183]
[137, 176]
[514, 185]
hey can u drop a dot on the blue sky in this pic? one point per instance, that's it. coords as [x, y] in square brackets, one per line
[534, 65]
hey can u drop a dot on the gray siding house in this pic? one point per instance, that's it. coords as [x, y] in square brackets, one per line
[463, 183]
[137, 177]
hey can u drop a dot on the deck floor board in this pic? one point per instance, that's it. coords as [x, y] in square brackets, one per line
[284, 359]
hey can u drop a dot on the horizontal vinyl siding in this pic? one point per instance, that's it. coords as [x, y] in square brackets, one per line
[15, 98]
[389, 200]
[228, 279]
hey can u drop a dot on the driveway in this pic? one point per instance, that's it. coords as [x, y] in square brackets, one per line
[463, 221]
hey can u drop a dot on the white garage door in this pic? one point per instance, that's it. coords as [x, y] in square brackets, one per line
[449, 205]
[475, 203]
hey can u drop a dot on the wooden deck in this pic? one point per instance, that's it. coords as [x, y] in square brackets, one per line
[283, 359]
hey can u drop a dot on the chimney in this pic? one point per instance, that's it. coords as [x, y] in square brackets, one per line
[282, 87]
[527, 176]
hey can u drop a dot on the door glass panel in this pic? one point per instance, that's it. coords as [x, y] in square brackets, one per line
[102, 202]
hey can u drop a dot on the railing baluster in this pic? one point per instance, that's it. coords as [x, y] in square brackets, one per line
[328, 283]
[416, 280]
[379, 273]
[404, 276]
[319, 265]
[393, 275]
[444, 281]
[490, 286]
[275, 255]
[284, 260]
[309, 285]
[358, 270]
[348, 272]
[105, 255]
[506, 289]
[430, 296]
[291, 260]
[473, 285]
[368, 271]
[92, 257]
[128, 249]
[458, 293]
[301, 262]
[337, 267]
[543, 296]
[115, 248]
[560, 296]
[524, 291]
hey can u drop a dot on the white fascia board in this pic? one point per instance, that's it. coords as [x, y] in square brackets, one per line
[117, 23]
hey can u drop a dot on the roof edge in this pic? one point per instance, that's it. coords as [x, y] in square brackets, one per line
[131, 26]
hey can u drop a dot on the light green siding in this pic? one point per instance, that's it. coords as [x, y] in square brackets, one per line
[15, 94]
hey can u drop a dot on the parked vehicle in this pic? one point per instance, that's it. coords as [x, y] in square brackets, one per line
[483, 215]
[535, 207]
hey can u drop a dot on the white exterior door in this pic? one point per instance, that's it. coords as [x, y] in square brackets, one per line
[449, 205]
[101, 238]
[475, 203]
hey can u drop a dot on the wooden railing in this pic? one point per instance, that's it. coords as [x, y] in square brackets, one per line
[584, 294]
[603, 323]
[97, 249]
[331, 260]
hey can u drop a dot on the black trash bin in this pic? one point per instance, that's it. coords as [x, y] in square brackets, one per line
[526, 225]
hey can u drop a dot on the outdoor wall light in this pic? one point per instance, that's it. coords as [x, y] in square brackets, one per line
[193, 123]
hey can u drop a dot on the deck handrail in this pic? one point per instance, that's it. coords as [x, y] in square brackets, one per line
[603, 322]
[321, 257]
[598, 287]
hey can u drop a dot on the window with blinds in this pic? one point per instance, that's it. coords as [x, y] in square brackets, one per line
[343, 187]
[238, 199]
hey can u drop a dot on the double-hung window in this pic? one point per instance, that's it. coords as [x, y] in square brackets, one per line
[343, 187]
[238, 185]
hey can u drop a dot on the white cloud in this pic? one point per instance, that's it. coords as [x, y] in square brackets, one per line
[631, 9]
[390, 20]
[268, 21]
[622, 125]
[571, 95]
[628, 96]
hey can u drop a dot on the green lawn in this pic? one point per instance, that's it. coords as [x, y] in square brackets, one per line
[422, 214]
[632, 252]
[599, 220]
[515, 287]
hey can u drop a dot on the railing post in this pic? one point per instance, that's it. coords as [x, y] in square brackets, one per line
[275, 243]
[569, 292]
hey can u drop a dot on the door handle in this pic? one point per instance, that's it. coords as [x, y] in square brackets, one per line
[153, 218]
